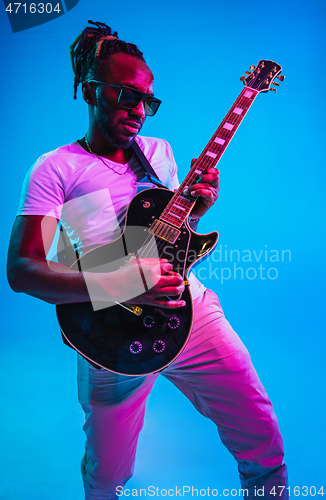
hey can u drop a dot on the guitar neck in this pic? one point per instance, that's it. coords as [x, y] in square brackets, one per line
[180, 205]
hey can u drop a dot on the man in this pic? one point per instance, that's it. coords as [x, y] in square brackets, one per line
[88, 185]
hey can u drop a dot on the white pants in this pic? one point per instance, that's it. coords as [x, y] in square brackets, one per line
[215, 372]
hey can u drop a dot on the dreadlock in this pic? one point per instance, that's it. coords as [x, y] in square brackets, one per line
[94, 45]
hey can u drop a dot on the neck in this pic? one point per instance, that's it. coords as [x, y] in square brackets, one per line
[104, 148]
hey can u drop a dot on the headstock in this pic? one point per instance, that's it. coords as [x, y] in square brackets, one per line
[263, 75]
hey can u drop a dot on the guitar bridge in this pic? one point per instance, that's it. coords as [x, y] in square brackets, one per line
[164, 231]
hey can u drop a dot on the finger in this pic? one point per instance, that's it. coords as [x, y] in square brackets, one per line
[210, 174]
[204, 193]
[202, 185]
[193, 190]
[150, 261]
[167, 281]
[206, 179]
[166, 267]
[211, 179]
[211, 170]
[168, 288]
[172, 304]
[173, 276]
[169, 291]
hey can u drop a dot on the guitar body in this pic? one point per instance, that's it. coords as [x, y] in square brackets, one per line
[115, 338]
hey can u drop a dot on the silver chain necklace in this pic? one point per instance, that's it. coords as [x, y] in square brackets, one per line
[100, 158]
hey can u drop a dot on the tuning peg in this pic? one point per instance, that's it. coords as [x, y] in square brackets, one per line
[274, 90]
[248, 73]
[252, 67]
[276, 83]
[280, 77]
[242, 78]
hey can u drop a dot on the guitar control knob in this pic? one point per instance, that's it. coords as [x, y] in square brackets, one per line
[174, 322]
[146, 203]
[159, 346]
[149, 321]
[135, 347]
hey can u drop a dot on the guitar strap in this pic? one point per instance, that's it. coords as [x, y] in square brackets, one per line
[148, 169]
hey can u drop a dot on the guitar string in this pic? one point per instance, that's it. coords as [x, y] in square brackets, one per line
[148, 249]
[232, 118]
[236, 120]
[170, 211]
[211, 162]
[214, 147]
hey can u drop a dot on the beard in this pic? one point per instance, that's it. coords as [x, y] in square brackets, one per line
[110, 132]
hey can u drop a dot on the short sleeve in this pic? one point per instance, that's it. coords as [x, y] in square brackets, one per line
[42, 191]
[173, 167]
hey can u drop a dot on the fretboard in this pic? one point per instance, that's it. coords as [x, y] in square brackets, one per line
[180, 205]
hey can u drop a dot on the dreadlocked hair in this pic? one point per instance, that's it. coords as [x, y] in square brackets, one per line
[92, 47]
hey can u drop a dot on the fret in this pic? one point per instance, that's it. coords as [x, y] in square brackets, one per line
[237, 111]
[177, 214]
[181, 200]
[172, 220]
[248, 93]
[212, 155]
[180, 206]
[228, 126]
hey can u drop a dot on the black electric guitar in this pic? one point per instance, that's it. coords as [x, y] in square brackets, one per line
[137, 340]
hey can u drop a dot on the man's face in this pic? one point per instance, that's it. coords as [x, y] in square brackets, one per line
[119, 125]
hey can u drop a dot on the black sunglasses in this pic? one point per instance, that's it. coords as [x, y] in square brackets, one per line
[130, 98]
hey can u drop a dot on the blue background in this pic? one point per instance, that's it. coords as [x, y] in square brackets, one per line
[272, 193]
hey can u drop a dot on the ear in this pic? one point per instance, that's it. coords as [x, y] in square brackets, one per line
[89, 94]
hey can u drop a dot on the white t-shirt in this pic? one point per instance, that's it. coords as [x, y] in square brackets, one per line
[89, 196]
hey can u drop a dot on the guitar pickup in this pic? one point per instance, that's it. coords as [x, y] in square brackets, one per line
[164, 231]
